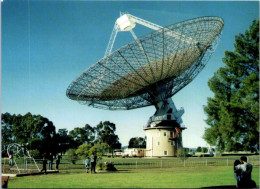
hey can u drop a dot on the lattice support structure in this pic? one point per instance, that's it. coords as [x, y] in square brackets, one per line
[20, 159]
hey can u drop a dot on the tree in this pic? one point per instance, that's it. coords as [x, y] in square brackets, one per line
[181, 154]
[83, 150]
[63, 140]
[99, 149]
[34, 131]
[233, 112]
[82, 135]
[7, 130]
[137, 142]
[86, 150]
[72, 155]
[105, 132]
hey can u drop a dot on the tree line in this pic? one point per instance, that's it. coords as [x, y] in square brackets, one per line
[39, 135]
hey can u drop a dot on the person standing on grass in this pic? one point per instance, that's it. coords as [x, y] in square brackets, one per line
[237, 172]
[58, 161]
[11, 158]
[44, 165]
[246, 170]
[50, 161]
[93, 161]
[87, 161]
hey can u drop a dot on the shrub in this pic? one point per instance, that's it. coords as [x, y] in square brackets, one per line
[72, 155]
[109, 166]
[100, 166]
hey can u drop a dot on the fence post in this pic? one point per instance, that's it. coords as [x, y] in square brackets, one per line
[161, 163]
[24, 164]
[136, 164]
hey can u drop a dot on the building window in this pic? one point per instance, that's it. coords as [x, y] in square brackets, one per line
[164, 134]
[158, 133]
[165, 153]
[172, 143]
[158, 143]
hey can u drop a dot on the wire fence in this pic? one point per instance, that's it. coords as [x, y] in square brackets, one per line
[169, 163]
[127, 163]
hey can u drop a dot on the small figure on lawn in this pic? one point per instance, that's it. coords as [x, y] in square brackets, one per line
[93, 161]
[58, 158]
[50, 161]
[87, 161]
[44, 165]
[237, 172]
[11, 158]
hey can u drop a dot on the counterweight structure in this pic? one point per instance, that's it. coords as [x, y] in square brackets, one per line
[149, 71]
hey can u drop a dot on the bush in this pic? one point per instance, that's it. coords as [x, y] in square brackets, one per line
[100, 166]
[72, 155]
[109, 166]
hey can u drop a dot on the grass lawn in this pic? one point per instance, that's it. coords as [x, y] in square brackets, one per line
[179, 177]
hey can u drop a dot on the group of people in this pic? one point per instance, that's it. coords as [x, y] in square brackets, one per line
[242, 171]
[92, 161]
[50, 162]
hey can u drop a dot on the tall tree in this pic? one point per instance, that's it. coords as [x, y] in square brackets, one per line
[106, 134]
[82, 135]
[34, 131]
[7, 130]
[63, 140]
[233, 112]
[137, 142]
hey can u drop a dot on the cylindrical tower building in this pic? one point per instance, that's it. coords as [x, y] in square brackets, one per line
[164, 131]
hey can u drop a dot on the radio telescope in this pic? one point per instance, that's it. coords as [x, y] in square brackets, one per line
[149, 70]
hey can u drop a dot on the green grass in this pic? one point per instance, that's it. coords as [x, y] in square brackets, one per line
[178, 177]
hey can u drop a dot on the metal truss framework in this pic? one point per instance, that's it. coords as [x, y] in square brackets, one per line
[20, 151]
[133, 77]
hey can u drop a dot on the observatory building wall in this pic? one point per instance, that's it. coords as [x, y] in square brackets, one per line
[159, 144]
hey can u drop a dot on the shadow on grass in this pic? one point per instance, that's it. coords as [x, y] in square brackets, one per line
[228, 186]
[66, 172]
[118, 171]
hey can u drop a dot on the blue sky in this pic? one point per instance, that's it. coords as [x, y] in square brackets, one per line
[47, 44]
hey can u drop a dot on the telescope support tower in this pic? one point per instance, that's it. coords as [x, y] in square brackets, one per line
[164, 130]
[149, 71]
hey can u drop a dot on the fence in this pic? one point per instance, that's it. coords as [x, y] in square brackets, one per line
[175, 162]
[19, 165]
[143, 163]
